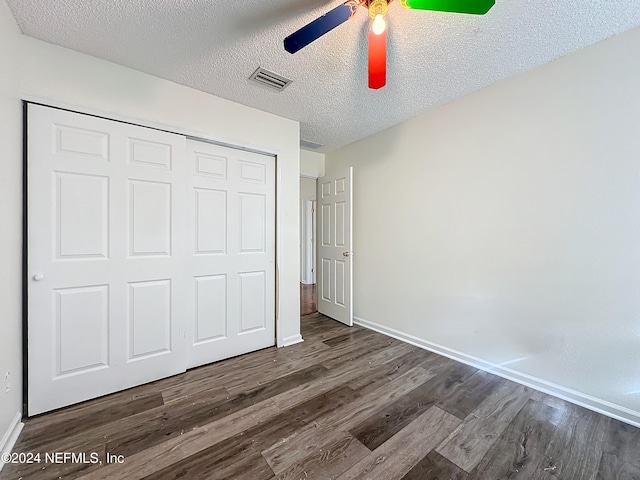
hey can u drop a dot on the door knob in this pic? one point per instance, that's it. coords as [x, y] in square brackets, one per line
[345, 254]
[38, 276]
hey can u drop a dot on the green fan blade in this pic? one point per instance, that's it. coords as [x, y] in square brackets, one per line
[478, 7]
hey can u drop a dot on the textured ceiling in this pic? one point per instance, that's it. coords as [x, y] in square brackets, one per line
[433, 58]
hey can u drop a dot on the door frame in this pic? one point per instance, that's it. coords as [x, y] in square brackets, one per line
[308, 232]
[280, 340]
[308, 238]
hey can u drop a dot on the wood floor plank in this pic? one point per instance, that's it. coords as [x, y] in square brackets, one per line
[623, 441]
[87, 416]
[373, 359]
[285, 453]
[335, 379]
[252, 466]
[396, 457]
[223, 455]
[87, 441]
[329, 381]
[467, 395]
[96, 438]
[435, 467]
[576, 448]
[391, 363]
[555, 402]
[175, 449]
[222, 463]
[215, 372]
[358, 334]
[350, 372]
[190, 389]
[379, 344]
[389, 421]
[468, 444]
[344, 352]
[364, 406]
[329, 460]
[228, 373]
[289, 450]
[267, 371]
[320, 327]
[293, 409]
[186, 415]
[519, 451]
[220, 371]
[612, 468]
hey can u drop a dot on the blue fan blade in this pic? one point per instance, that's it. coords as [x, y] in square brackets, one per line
[314, 30]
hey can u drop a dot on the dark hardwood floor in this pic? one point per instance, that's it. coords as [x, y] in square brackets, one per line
[307, 299]
[346, 403]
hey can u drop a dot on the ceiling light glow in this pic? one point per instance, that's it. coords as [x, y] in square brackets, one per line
[379, 25]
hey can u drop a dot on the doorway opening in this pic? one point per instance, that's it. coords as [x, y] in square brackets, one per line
[308, 299]
[308, 302]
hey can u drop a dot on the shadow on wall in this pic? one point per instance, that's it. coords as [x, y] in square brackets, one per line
[480, 324]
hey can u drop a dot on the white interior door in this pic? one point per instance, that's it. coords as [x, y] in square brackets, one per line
[231, 253]
[334, 246]
[106, 254]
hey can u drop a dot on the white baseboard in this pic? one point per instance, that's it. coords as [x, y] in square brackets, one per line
[287, 342]
[11, 436]
[592, 403]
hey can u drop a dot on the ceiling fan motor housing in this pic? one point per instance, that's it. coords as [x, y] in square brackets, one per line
[377, 7]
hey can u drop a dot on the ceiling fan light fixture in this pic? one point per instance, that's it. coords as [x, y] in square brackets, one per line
[378, 25]
[378, 7]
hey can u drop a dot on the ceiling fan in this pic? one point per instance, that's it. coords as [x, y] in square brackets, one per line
[377, 38]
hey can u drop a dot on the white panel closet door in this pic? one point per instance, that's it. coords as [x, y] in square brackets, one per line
[107, 250]
[231, 252]
[334, 244]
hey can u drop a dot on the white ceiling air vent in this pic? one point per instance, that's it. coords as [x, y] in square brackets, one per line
[308, 144]
[270, 79]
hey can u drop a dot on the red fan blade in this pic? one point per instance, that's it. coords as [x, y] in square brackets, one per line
[377, 59]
